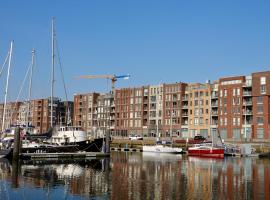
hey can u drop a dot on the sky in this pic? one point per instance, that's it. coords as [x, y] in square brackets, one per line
[155, 41]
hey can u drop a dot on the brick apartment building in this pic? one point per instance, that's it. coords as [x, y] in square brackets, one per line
[236, 108]
[39, 113]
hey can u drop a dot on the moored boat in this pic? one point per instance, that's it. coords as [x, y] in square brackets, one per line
[206, 150]
[161, 149]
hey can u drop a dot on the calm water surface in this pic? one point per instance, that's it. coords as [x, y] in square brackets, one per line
[137, 176]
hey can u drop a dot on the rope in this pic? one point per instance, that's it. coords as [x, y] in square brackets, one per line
[62, 78]
[5, 62]
[20, 91]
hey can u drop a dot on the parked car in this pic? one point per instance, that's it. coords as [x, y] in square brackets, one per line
[135, 137]
[199, 137]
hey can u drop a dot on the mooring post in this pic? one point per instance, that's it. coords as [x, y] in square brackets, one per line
[107, 142]
[15, 159]
[17, 142]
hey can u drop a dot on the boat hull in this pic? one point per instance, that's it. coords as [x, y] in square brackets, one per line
[161, 149]
[87, 146]
[216, 152]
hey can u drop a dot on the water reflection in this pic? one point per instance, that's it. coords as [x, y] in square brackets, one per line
[137, 176]
[54, 179]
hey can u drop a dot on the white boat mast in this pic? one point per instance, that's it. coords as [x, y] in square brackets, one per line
[7, 83]
[52, 81]
[30, 88]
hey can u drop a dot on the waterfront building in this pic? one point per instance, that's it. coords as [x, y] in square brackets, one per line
[234, 108]
[85, 111]
[244, 107]
[105, 118]
[39, 113]
[155, 110]
[199, 112]
[173, 108]
[11, 114]
[131, 111]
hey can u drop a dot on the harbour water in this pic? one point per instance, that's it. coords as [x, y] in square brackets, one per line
[134, 175]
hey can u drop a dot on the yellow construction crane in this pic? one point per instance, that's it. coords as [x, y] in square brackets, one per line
[113, 78]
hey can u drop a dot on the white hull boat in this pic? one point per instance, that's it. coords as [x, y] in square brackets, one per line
[161, 149]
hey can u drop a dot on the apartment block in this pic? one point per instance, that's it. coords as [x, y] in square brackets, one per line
[11, 114]
[37, 113]
[85, 111]
[261, 105]
[105, 115]
[199, 113]
[173, 108]
[131, 111]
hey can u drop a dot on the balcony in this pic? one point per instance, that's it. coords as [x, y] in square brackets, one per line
[247, 103]
[214, 113]
[247, 93]
[247, 85]
[185, 98]
[214, 104]
[185, 114]
[185, 106]
[247, 112]
[214, 95]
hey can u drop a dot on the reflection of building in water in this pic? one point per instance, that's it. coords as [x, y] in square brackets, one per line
[235, 178]
[137, 177]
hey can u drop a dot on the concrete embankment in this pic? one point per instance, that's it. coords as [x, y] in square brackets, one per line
[118, 144]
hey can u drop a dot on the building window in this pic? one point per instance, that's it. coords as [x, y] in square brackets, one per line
[234, 121]
[234, 92]
[223, 133]
[225, 121]
[263, 89]
[238, 91]
[225, 101]
[259, 100]
[260, 120]
[236, 133]
[263, 80]
[260, 133]
[259, 108]
[201, 121]
[196, 121]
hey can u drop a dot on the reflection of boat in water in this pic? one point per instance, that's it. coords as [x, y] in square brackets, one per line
[161, 157]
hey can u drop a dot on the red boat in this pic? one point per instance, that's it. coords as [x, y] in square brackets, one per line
[206, 151]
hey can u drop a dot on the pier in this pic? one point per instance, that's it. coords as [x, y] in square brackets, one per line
[75, 155]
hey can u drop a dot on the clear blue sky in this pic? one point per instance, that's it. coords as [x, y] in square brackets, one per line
[153, 41]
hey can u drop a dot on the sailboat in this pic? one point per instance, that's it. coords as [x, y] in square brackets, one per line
[206, 149]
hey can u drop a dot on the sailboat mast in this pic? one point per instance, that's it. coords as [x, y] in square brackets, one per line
[7, 83]
[30, 88]
[53, 63]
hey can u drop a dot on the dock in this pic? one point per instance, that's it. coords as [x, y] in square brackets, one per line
[126, 149]
[56, 156]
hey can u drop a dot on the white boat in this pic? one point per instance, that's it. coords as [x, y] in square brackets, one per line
[161, 149]
[68, 134]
